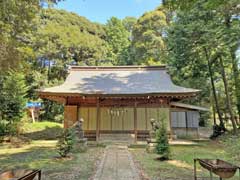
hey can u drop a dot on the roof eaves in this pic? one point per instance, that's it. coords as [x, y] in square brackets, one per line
[189, 106]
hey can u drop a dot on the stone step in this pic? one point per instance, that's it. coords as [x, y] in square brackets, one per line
[117, 137]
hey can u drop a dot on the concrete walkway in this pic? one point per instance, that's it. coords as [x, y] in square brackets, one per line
[117, 164]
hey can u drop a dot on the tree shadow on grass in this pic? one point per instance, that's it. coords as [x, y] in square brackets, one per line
[42, 158]
[30, 158]
[49, 133]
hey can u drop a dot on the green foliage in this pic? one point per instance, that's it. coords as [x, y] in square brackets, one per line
[118, 41]
[66, 38]
[16, 19]
[148, 45]
[204, 119]
[2, 130]
[232, 144]
[66, 142]
[14, 92]
[52, 111]
[12, 100]
[162, 147]
[34, 80]
[201, 34]
[129, 23]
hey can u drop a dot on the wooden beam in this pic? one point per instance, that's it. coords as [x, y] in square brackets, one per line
[135, 120]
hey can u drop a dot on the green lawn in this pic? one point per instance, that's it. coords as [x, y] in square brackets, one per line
[42, 130]
[39, 126]
[42, 155]
[180, 167]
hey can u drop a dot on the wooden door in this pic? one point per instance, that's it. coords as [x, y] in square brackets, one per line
[117, 121]
[89, 115]
[128, 119]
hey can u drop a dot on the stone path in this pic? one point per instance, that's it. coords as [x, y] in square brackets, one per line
[117, 164]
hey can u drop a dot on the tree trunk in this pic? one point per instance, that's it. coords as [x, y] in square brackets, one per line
[228, 99]
[49, 70]
[214, 116]
[236, 80]
[214, 91]
[235, 70]
[213, 109]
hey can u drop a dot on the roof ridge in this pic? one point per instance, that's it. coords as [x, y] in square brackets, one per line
[160, 67]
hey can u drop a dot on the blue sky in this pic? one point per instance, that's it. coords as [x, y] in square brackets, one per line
[101, 10]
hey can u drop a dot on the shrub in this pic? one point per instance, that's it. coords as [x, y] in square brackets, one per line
[217, 131]
[2, 131]
[66, 142]
[162, 147]
[12, 100]
[52, 111]
[204, 120]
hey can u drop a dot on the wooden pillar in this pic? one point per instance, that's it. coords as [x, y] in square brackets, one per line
[98, 120]
[32, 114]
[88, 119]
[78, 115]
[146, 118]
[170, 118]
[170, 122]
[195, 169]
[135, 120]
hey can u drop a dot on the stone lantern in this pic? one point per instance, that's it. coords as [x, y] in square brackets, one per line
[81, 141]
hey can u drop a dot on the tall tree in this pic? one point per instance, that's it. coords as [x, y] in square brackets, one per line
[12, 99]
[148, 44]
[118, 39]
[64, 39]
[16, 19]
[203, 31]
[129, 23]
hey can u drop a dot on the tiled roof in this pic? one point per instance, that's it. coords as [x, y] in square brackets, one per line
[118, 80]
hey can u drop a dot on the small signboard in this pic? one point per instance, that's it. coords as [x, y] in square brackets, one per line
[34, 108]
[34, 104]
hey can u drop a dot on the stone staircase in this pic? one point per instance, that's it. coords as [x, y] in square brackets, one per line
[117, 138]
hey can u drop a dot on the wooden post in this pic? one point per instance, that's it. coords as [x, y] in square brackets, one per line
[146, 118]
[170, 122]
[78, 115]
[195, 170]
[135, 120]
[33, 115]
[98, 120]
[88, 119]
